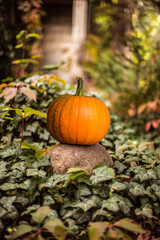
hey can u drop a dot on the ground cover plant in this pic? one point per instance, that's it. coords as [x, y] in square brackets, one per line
[108, 203]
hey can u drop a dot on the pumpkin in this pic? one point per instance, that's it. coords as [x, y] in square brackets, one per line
[78, 119]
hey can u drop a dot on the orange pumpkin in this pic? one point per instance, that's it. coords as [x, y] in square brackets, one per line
[78, 119]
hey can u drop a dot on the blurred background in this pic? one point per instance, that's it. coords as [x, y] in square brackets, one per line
[113, 44]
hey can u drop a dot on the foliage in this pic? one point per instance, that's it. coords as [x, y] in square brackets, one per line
[28, 58]
[46, 87]
[129, 76]
[27, 51]
[109, 203]
[149, 111]
[37, 203]
[6, 42]
[31, 14]
[10, 90]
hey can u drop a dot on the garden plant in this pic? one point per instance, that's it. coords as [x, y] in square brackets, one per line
[119, 202]
[106, 203]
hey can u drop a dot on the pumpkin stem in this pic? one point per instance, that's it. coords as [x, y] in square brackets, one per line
[80, 87]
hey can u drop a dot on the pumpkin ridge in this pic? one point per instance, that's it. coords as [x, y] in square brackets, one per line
[60, 130]
[77, 120]
[50, 118]
[106, 115]
[68, 132]
[55, 106]
[95, 135]
[86, 134]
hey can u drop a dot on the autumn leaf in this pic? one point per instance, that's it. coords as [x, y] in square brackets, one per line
[141, 108]
[2, 86]
[29, 93]
[9, 93]
[155, 123]
[148, 126]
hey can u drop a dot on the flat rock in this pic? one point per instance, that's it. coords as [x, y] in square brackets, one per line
[64, 156]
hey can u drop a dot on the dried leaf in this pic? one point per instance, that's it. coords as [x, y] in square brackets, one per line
[141, 108]
[29, 93]
[155, 123]
[148, 126]
[9, 93]
[128, 225]
[97, 229]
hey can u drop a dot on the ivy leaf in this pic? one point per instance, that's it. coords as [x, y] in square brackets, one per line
[103, 192]
[48, 200]
[126, 224]
[137, 189]
[43, 161]
[8, 186]
[97, 229]
[147, 211]
[119, 166]
[117, 186]
[86, 206]
[111, 204]
[83, 190]
[30, 209]
[100, 214]
[3, 170]
[125, 206]
[10, 151]
[41, 214]
[121, 148]
[3, 212]
[101, 174]
[82, 217]
[156, 188]
[35, 172]
[21, 230]
[53, 214]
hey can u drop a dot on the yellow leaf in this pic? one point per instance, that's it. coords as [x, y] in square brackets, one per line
[57, 79]
[2, 86]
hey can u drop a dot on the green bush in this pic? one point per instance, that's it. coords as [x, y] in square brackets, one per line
[36, 203]
[129, 76]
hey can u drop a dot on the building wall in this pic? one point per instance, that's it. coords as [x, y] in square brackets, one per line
[65, 30]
